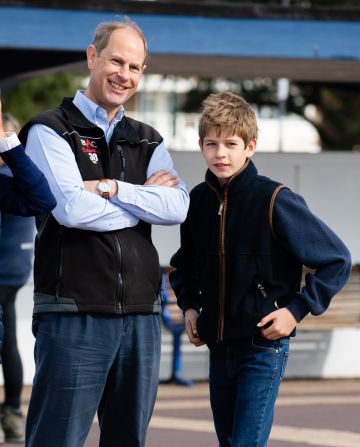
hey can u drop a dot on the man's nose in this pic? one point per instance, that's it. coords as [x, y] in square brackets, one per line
[124, 71]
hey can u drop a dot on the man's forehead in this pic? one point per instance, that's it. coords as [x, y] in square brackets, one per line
[124, 38]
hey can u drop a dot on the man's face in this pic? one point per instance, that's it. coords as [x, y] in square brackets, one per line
[115, 72]
[224, 154]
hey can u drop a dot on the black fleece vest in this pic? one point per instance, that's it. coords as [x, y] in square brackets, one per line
[88, 271]
[247, 273]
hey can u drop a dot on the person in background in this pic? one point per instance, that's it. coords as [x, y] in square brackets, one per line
[97, 279]
[27, 194]
[237, 274]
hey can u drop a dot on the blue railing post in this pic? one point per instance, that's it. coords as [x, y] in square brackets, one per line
[176, 329]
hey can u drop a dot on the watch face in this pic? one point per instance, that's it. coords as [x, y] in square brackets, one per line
[103, 187]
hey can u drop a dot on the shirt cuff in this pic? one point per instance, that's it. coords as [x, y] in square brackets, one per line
[9, 142]
[126, 193]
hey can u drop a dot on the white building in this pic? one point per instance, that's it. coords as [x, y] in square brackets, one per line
[156, 101]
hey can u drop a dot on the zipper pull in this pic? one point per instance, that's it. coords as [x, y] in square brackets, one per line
[221, 207]
[262, 290]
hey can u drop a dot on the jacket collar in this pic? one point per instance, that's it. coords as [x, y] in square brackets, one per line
[237, 182]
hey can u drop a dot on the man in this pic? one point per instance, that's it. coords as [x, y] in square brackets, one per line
[97, 278]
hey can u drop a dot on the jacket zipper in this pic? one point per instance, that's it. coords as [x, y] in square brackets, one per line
[222, 268]
[262, 290]
[120, 279]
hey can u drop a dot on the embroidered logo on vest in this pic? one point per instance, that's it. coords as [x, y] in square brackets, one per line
[90, 147]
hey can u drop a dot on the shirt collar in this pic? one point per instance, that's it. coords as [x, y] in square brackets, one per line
[92, 111]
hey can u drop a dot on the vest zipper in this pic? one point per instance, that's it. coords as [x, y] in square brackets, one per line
[122, 162]
[43, 225]
[222, 267]
[120, 278]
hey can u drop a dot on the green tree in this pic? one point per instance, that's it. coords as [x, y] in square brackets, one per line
[39, 94]
[337, 106]
[338, 112]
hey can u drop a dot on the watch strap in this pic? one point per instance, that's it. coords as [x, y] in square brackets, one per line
[105, 194]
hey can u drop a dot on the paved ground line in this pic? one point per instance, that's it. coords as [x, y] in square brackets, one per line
[315, 437]
[310, 436]
[282, 401]
[318, 400]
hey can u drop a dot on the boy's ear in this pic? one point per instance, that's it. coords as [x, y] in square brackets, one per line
[251, 148]
[200, 144]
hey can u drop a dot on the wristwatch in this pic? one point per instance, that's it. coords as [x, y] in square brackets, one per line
[104, 188]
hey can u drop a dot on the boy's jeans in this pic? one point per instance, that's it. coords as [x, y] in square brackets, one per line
[88, 363]
[244, 384]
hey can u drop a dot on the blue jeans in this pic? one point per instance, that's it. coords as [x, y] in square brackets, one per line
[92, 362]
[244, 384]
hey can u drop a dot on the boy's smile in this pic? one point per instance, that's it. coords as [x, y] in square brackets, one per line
[224, 154]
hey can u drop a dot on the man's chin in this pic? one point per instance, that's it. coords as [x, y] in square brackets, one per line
[118, 99]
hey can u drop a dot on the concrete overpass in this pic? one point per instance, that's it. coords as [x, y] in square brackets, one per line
[211, 40]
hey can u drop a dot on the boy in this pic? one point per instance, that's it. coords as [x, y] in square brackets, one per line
[238, 271]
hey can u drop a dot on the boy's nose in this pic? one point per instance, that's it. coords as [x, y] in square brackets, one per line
[220, 151]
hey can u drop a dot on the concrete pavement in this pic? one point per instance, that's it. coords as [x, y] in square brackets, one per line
[320, 413]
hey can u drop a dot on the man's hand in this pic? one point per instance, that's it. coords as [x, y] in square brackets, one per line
[277, 324]
[191, 317]
[163, 178]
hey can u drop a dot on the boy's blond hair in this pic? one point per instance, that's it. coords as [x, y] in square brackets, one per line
[227, 112]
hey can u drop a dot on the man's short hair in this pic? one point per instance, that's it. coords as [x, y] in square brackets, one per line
[105, 29]
[228, 112]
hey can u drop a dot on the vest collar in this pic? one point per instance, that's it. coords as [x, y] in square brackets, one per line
[74, 115]
[123, 130]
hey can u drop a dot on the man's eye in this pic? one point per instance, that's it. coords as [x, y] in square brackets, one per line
[135, 70]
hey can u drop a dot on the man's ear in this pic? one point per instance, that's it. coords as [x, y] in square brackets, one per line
[251, 148]
[90, 54]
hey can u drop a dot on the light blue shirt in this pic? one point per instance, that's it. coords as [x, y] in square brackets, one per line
[78, 208]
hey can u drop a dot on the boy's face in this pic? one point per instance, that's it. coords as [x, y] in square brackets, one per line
[225, 155]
